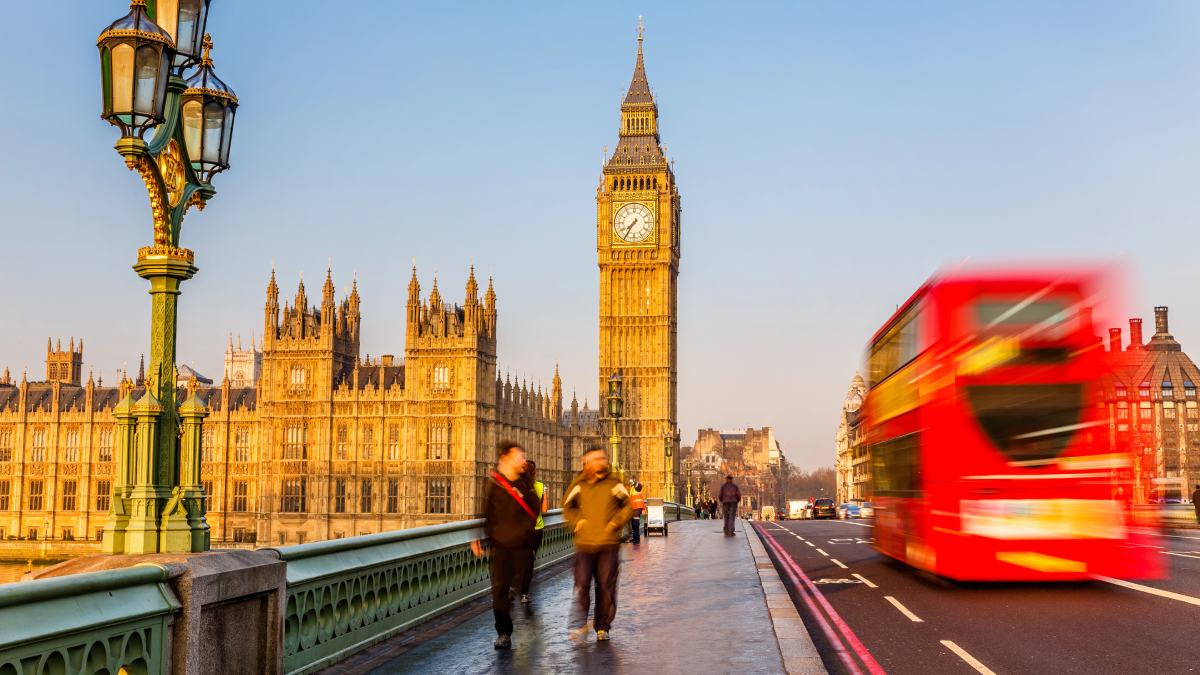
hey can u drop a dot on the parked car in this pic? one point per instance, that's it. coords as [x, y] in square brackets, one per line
[866, 510]
[824, 508]
[848, 511]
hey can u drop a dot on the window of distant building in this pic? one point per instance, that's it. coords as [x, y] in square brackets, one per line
[241, 496]
[297, 379]
[5, 495]
[71, 452]
[206, 444]
[339, 495]
[103, 495]
[393, 442]
[1168, 409]
[37, 495]
[1144, 411]
[368, 441]
[1122, 392]
[1122, 410]
[294, 445]
[1189, 389]
[294, 496]
[1144, 390]
[5, 445]
[365, 497]
[241, 440]
[439, 440]
[343, 441]
[441, 376]
[106, 445]
[393, 495]
[1168, 390]
[437, 495]
[1192, 410]
[209, 496]
[69, 491]
[39, 446]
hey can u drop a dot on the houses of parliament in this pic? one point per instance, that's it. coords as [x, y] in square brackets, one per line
[309, 439]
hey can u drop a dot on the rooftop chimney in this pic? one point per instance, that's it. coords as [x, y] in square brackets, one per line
[1135, 334]
[1114, 339]
[1160, 321]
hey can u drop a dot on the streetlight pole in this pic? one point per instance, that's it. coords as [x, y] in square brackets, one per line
[616, 406]
[161, 77]
[669, 450]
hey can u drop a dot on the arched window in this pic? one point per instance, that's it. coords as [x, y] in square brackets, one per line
[297, 375]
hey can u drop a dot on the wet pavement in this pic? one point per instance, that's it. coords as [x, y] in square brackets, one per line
[688, 603]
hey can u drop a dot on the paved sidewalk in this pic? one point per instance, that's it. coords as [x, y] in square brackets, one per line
[692, 602]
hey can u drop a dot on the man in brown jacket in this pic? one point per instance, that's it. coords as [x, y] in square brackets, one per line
[596, 507]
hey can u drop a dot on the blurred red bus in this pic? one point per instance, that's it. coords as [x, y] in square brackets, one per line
[991, 456]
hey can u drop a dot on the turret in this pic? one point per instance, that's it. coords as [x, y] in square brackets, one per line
[327, 307]
[271, 311]
[556, 394]
[489, 310]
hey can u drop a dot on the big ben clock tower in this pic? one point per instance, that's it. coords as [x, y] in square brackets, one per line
[637, 248]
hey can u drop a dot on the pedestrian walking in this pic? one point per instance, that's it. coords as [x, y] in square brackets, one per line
[638, 503]
[730, 497]
[510, 510]
[1196, 502]
[539, 489]
[596, 507]
[712, 508]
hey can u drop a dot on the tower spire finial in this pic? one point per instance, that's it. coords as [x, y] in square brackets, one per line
[641, 29]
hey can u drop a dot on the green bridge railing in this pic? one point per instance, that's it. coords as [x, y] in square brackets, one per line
[111, 621]
[346, 594]
[342, 596]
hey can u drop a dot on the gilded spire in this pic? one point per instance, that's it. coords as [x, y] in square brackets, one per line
[639, 86]
[327, 288]
[472, 288]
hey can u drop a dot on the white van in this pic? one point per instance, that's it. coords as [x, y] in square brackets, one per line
[799, 509]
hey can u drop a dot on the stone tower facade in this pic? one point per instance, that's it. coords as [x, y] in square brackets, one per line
[65, 366]
[242, 366]
[638, 250]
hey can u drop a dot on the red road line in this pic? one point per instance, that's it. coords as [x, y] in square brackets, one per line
[799, 577]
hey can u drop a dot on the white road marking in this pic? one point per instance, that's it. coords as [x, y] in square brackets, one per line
[839, 563]
[971, 660]
[798, 537]
[903, 610]
[1179, 536]
[1151, 590]
[1182, 555]
[811, 544]
[849, 522]
[822, 553]
[864, 580]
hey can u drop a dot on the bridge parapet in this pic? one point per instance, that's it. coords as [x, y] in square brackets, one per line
[114, 621]
[346, 594]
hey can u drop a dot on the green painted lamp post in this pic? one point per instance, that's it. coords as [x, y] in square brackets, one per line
[158, 501]
[668, 450]
[616, 406]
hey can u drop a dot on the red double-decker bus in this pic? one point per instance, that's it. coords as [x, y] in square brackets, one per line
[991, 456]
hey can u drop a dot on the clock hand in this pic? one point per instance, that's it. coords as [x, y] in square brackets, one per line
[630, 228]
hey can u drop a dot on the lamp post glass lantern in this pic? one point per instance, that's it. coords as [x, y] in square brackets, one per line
[616, 406]
[157, 503]
[135, 64]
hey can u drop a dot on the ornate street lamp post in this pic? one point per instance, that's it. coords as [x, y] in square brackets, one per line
[158, 501]
[616, 406]
[669, 451]
[691, 496]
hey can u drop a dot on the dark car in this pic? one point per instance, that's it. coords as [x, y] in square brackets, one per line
[824, 508]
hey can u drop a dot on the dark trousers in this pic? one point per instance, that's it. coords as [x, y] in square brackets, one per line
[506, 567]
[601, 568]
[527, 573]
[635, 526]
[730, 516]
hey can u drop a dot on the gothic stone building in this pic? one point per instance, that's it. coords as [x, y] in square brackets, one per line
[325, 444]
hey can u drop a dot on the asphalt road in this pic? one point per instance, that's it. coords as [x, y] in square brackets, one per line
[910, 623]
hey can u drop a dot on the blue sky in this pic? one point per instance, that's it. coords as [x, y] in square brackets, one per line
[831, 156]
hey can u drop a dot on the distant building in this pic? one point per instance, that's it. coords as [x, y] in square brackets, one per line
[242, 366]
[321, 443]
[853, 465]
[752, 456]
[1153, 409]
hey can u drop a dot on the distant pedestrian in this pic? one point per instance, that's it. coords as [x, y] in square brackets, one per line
[730, 497]
[638, 503]
[539, 489]
[596, 507]
[510, 510]
[1196, 502]
[712, 508]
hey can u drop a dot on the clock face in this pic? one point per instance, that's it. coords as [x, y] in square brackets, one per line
[633, 223]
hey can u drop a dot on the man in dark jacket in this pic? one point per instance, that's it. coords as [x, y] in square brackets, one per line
[1196, 502]
[510, 510]
[730, 496]
[596, 507]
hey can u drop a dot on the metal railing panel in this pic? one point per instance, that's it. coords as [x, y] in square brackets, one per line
[346, 594]
[87, 623]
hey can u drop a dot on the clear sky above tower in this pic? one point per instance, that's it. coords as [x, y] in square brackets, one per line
[830, 156]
